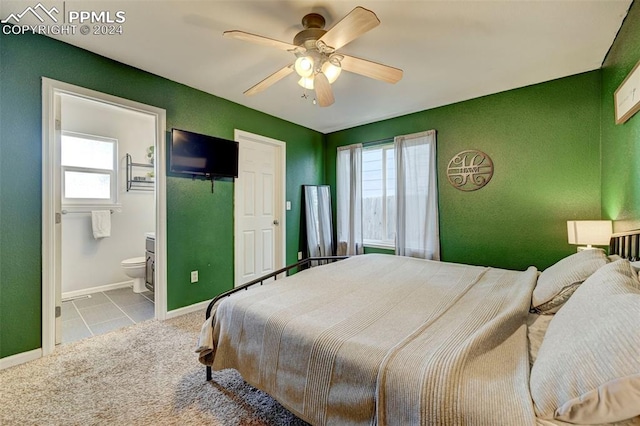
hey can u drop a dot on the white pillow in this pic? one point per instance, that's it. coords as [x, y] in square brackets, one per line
[558, 282]
[614, 257]
[588, 367]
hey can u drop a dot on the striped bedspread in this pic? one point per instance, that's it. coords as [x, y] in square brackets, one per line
[387, 340]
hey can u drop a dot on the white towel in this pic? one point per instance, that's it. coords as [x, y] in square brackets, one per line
[101, 223]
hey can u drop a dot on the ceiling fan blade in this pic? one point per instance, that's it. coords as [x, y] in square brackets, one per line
[352, 26]
[371, 69]
[273, 78]
[265, 41]
[324, 94]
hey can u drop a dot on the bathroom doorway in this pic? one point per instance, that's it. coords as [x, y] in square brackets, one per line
[103, 199]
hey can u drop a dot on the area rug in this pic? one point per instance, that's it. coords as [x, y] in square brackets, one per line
[145, 374]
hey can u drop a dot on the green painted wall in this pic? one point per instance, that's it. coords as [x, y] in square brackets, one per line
[621, 143]
[545, 144]
[200, 224]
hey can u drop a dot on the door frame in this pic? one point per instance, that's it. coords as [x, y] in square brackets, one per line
[50, 90]
[281, 185]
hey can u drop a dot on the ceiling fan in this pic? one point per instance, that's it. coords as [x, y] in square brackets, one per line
[317, 61]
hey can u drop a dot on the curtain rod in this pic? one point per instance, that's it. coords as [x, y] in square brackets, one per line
[378, 142]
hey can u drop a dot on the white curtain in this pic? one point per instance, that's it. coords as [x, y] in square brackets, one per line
[349, 200]
[417, 231]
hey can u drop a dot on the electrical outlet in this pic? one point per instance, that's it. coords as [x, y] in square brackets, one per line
[299, 255]
[194, 277]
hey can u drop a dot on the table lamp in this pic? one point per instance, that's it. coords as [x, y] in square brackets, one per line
[589, 232]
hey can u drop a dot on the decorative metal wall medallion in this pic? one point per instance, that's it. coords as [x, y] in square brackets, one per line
[470, 170]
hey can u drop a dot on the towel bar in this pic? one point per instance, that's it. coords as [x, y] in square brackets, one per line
[78, 211]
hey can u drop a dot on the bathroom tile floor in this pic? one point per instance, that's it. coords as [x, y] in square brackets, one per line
[103, 312]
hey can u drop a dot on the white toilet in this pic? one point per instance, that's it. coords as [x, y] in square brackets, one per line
[135, 268]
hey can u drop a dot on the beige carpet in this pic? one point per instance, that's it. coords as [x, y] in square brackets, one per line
[146, 374]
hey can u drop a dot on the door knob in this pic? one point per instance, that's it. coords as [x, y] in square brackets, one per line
[275, 222]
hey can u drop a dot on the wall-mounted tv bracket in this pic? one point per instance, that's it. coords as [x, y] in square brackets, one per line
[193, 177]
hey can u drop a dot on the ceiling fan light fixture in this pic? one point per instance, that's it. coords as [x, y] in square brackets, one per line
[318, 63]
[331, 71]
[304, 66]
[306, 82]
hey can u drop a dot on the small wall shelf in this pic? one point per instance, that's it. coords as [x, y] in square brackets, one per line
[138, 181]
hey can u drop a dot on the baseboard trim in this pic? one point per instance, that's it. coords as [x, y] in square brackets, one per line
[21, 358]
[107, 287]
[188, 309]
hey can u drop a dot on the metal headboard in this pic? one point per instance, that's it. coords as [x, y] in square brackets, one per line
[626, 244]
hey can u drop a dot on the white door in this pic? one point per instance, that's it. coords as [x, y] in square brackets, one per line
[259, 207]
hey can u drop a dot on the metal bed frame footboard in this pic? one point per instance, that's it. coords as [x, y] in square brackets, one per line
[303, 264]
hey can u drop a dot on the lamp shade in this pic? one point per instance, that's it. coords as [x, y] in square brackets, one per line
[304, 66]
[589, 232]
[305, 82]
[331, 71]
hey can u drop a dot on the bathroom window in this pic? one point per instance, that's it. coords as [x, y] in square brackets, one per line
[89, 169]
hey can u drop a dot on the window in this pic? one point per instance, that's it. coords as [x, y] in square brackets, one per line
[378, 196]
[387, 197]
[89, 169]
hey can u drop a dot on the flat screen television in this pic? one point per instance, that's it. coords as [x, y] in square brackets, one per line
[196, 154]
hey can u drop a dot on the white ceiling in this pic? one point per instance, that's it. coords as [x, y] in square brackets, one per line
[450, 51]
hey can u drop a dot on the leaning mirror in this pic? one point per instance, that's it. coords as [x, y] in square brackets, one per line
[319, 231]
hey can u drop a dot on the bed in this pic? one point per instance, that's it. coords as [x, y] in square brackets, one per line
[380, 339]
